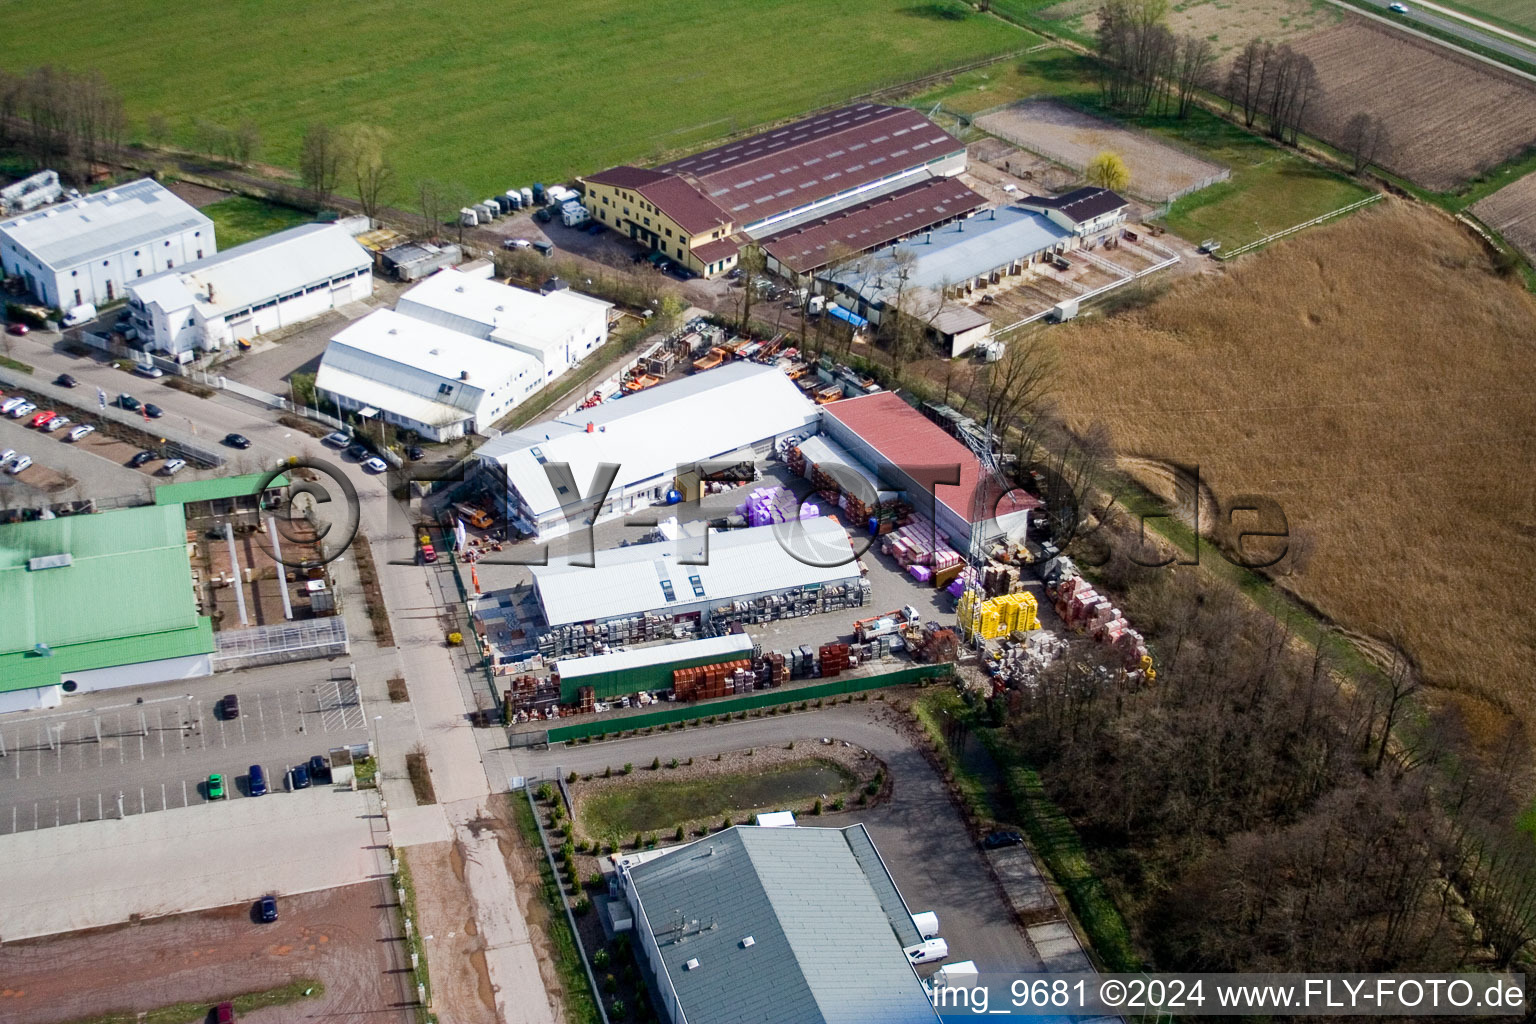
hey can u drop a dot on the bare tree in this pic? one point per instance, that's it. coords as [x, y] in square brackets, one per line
[246, 141]
[1196, 58]
[1014, 385]
[1245, 79]
[320, 161]
[98, 119]
[751, 261]
[1366, 140]
[438, 202]
[366, 162]
[46, 103]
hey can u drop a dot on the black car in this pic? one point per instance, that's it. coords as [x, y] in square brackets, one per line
[998, 840]
[298, 777]
[359, 452]
[128, 402]
[142, 457]
[595, 228]
[640, 257]
[543, 216]
[237, 440]
[66, 381]
[268, 909]
[319, 769]
[153, 411]
[415, 452]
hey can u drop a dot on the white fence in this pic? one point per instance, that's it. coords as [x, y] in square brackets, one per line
[1341, 211]
[1169, 259]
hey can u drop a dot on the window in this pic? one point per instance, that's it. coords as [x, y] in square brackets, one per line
[199, 254]
[647, 221]
[139, 272]
[666, 590]
[669, 232]
[77, 296]
[169, 264]
[445, 389]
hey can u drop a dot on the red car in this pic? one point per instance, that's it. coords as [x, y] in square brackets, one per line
[224, 1013]
[17, 328]
[42, 419]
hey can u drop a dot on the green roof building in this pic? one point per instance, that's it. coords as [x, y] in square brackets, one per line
[97, 601]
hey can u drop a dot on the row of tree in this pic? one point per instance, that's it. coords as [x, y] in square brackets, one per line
[1275, 81]
[61, 118]
[1143, 67]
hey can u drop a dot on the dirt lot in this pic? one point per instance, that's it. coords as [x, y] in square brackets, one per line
[198, 196]
[1511, 211]
[339, 936]
[455, 954]
[1073, 138]
[1449, 116]
[1372, 377]
[1228, 25]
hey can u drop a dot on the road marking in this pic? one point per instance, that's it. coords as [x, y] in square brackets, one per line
[142, 806]
[100, 812]
[79, 810]
[163, 804]
[281, 720]
[58, 815]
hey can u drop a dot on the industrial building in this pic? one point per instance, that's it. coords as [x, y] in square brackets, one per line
[273, 282]
[740, 410]
[645, 668]
[94, 602]
[90, 249]
[654, 591]
[755, 925]
[701, 210]
[423, 377]
[908, 452]
[559, 329]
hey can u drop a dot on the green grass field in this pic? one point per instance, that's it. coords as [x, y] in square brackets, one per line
[491, 97]
[241, 219]
[1515, 15]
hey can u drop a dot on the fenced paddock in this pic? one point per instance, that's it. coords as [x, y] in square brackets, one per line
[1160, 170]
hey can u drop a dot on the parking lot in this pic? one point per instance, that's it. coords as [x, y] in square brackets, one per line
[154, 750]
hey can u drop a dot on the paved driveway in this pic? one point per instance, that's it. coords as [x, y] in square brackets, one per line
[919, 832]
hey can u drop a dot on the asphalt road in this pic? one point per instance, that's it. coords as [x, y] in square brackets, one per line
[157, 754]
[920, 834]
[1458, 28]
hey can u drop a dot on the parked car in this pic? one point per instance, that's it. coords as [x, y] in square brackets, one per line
[127, 401]
[142, 457]
[57, 423]
[18, 464]
[359, 452]
[319, 768]
[258, 778]
[216, 786]
[148, 370]
[230, 706]
[376, 465]
[415, 452]
[998, 840]
[340, 439]
[81, 432]
[42, 418]
[174, 466]
[298, 777]
[268, 905]
[515, 243]
[64, 380]
[237, 440]
[6, 456]
[153, 411]
[17, 329]
[11, 403]
[543, 248]
[224, 1013]
[595, 228]
[543, 216]
[25, 408]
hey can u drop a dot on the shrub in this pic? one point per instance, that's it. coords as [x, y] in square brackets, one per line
[790, 746]
[655, 763]
[863, 800]
[872, 789]
[545, 792]
[650, 842]
[727, 823]
[628, 767]
[678, 835]
[672, 763]
[595, 880]
[837, 804]
[608, 772]
[610, 983]
[582, 906]
[618, 1009]
[570, 778]
[816, 807]
[600, 959]
[639, 840]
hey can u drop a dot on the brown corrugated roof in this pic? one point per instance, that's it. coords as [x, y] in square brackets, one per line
[625, 177]
[1080, 204]
[873, 224]
[683, 202]
[725, 248]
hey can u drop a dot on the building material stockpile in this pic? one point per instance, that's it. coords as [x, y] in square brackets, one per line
[919, 549]
[708, 681]
[997, 617]
[1085, 610]
[768, 505]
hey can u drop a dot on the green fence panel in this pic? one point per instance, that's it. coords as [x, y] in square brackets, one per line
[748, 702]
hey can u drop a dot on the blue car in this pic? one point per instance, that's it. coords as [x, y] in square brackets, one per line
[298, 777]
[258, 781]
[268, 907]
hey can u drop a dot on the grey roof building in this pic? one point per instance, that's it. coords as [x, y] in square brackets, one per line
[777, 926]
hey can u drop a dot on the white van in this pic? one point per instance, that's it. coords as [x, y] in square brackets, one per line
[81, 314]
[928, 951]
[927, 923]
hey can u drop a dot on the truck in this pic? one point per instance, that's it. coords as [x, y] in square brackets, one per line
[957, 975]
[557, 195]
[428, 552]
[474, 516]
[1064, 311]
[885, 624]
[573, 214]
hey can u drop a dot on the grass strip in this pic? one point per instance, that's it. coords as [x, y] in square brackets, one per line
[197, 1012]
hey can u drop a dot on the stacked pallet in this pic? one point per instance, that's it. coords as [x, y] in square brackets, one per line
[935, 644]
[917, 543]
[767, 505]
[777, 669]
[706, 681]
[795, 460]
[834, 660]
[998, 579]
[997, 617]
[1085, 610]
[586, 700]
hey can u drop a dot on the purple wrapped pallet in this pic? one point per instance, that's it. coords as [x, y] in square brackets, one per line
[956, 587]
[921, 573]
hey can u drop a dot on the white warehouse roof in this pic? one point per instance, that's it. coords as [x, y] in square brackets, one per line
[686, 421]
[741, 564]
[256, 272]
[399, 363]
[103, 223]
[512, 316]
